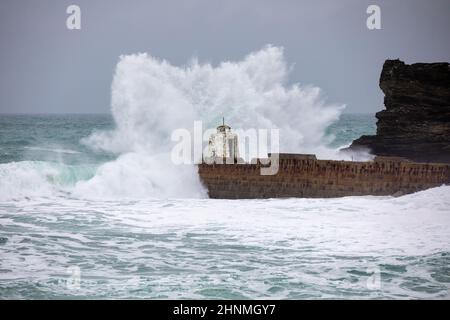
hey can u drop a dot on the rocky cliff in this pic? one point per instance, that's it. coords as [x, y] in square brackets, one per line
[416, 122]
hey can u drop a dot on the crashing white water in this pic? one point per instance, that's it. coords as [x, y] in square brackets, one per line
[30, 179]
[57, 215]
[226, 249]
[151, 98]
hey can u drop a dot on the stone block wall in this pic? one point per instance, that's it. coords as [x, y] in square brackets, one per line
[307, 177]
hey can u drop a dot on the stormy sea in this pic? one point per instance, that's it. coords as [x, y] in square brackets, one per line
[91, 206]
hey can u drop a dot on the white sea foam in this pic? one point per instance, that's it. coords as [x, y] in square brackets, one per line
[25, 179]
[136, 175]
[207, 248]
[151, 98]
[55, 150]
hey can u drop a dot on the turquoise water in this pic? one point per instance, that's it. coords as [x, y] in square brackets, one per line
[57, 138]
[350, 127]
[52, 147]
[54, 138]
[58, 240]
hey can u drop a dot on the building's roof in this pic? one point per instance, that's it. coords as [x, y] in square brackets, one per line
[223, 127]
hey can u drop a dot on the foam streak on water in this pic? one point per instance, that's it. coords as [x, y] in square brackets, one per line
[279, 248]
[99, 194]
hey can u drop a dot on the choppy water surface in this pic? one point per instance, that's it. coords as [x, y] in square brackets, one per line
[55, 243]
[364, 247]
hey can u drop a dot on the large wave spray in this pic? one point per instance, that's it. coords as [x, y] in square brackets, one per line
[151, 98]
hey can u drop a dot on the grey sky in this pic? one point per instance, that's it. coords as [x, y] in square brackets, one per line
[46, 68]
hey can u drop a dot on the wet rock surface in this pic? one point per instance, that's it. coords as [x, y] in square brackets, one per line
[416, 122]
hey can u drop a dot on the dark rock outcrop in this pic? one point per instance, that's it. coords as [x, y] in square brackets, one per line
[416, 122]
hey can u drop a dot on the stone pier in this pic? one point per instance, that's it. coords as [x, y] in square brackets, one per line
[306, 177]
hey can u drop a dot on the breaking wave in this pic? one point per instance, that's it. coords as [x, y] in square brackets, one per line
[151, 98]
[40, 179]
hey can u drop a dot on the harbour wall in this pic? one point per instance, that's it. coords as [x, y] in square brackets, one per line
[306, 177]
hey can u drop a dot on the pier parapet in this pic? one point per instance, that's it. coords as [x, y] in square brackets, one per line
[305, 176]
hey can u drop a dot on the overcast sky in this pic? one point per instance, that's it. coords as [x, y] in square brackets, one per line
[44, 67]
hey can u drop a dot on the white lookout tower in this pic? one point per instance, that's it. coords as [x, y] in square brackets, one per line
[223, 143]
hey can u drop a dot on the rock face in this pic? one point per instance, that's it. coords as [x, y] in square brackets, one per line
[416, 122]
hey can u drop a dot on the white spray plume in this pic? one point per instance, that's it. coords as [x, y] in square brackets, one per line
[151, 98]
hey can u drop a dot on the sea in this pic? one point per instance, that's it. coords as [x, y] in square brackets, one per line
[78, 221]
